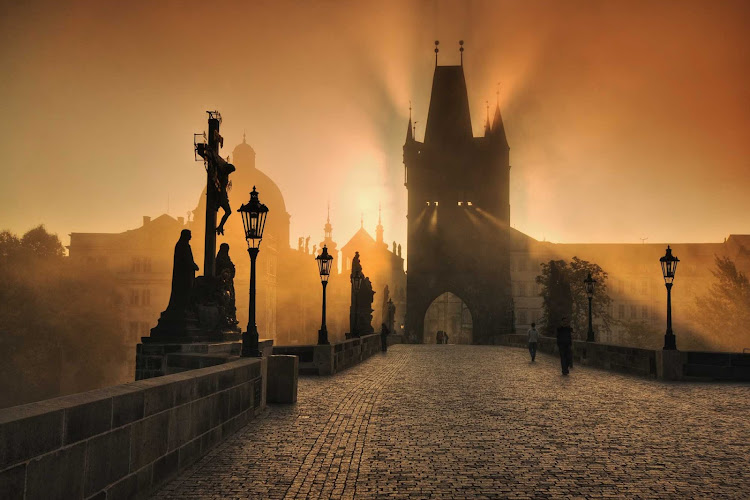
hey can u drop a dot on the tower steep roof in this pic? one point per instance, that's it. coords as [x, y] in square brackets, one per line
[448, 119]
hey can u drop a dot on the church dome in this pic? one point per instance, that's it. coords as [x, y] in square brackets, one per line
[243, 179]
[244, 153]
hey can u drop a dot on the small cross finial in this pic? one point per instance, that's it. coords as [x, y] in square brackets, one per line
[362, 220]
[437, 42]
[379, 214]
[410, 110]
[497, 93]
[243, 138]
[461, 50]
[328, 219]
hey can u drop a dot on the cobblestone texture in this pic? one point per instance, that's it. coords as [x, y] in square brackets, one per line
[483, 422]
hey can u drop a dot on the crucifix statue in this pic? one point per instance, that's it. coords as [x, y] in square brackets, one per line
[217, 188]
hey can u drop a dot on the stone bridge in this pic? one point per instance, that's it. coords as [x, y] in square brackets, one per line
[447, 421]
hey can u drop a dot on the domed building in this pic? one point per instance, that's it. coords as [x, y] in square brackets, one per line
[275, 238]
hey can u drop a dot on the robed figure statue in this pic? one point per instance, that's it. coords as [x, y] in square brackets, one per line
[183, 274]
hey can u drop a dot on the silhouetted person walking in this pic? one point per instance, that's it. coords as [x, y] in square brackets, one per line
[565, 345]
[384, 337]
[445, 337]
[439, 337]
[533, 339]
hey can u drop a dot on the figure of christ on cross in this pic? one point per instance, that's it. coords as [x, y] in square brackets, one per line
[217, 185]
[219, 170]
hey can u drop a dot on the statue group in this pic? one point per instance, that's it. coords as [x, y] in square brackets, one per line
[203, 308]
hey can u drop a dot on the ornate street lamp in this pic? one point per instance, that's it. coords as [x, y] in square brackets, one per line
[324, 268]
[668, 269]
[356, 279]
[589, 282]
[254, 219]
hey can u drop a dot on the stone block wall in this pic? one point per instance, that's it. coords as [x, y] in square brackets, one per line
[124, 441]
[332, 358]
[669, 365]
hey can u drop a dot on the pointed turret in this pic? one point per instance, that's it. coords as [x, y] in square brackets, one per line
[379, 228]
[498, 129]
[328, 229]
[487, 128]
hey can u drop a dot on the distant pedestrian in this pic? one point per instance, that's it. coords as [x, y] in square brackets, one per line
[384, 338]
[533, 339]
[565, 345]
[445, 337]
[439, 337]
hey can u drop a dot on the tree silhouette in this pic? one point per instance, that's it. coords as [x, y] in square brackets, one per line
[59, 321]
[723, 314]
[564, 295]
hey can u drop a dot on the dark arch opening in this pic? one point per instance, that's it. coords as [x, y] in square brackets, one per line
[450, 314]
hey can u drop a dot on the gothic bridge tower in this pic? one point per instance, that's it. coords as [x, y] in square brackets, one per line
[458, 213]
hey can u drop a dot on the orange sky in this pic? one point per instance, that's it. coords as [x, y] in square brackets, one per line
[625, 119]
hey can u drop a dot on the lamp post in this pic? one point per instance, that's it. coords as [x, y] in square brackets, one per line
[324, 268]
[668, 269]
[589, 282]
[254, 219]
[356, 279]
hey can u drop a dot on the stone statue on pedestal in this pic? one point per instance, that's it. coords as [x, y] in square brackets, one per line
[183, 275]
[225, 271]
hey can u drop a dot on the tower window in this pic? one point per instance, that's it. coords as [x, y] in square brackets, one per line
[460, 203]
[436, 203]
[428, 203]
[469, 203]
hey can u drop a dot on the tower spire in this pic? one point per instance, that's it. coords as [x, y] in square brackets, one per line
[498, 129]
[437, 42]
[461, 50]
[379, 227]
[487, 128]
[328, 229]
[409, 135]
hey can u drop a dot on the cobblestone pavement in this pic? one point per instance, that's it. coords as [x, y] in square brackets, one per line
[435, 421]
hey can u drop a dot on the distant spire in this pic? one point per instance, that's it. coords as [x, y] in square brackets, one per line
[379, 228]
[362, 220]
[409, 135]
[243, 138]
[328, 229]
[461, 50]
[437, 42]
[487, 122]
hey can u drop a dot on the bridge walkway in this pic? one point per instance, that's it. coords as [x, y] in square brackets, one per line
[482, 421]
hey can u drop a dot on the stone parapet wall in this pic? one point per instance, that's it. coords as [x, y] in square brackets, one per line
[332, 358]
[670, 365]
[126, 440]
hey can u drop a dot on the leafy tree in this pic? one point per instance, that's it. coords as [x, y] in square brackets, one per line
[723, 314]
[556, 294]
[57, 321]
[564, 295]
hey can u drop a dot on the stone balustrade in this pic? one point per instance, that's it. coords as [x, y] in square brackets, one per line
[668, 365]
[332, 358]
[126, 440]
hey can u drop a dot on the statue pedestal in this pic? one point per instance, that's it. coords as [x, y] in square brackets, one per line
[154, 358]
